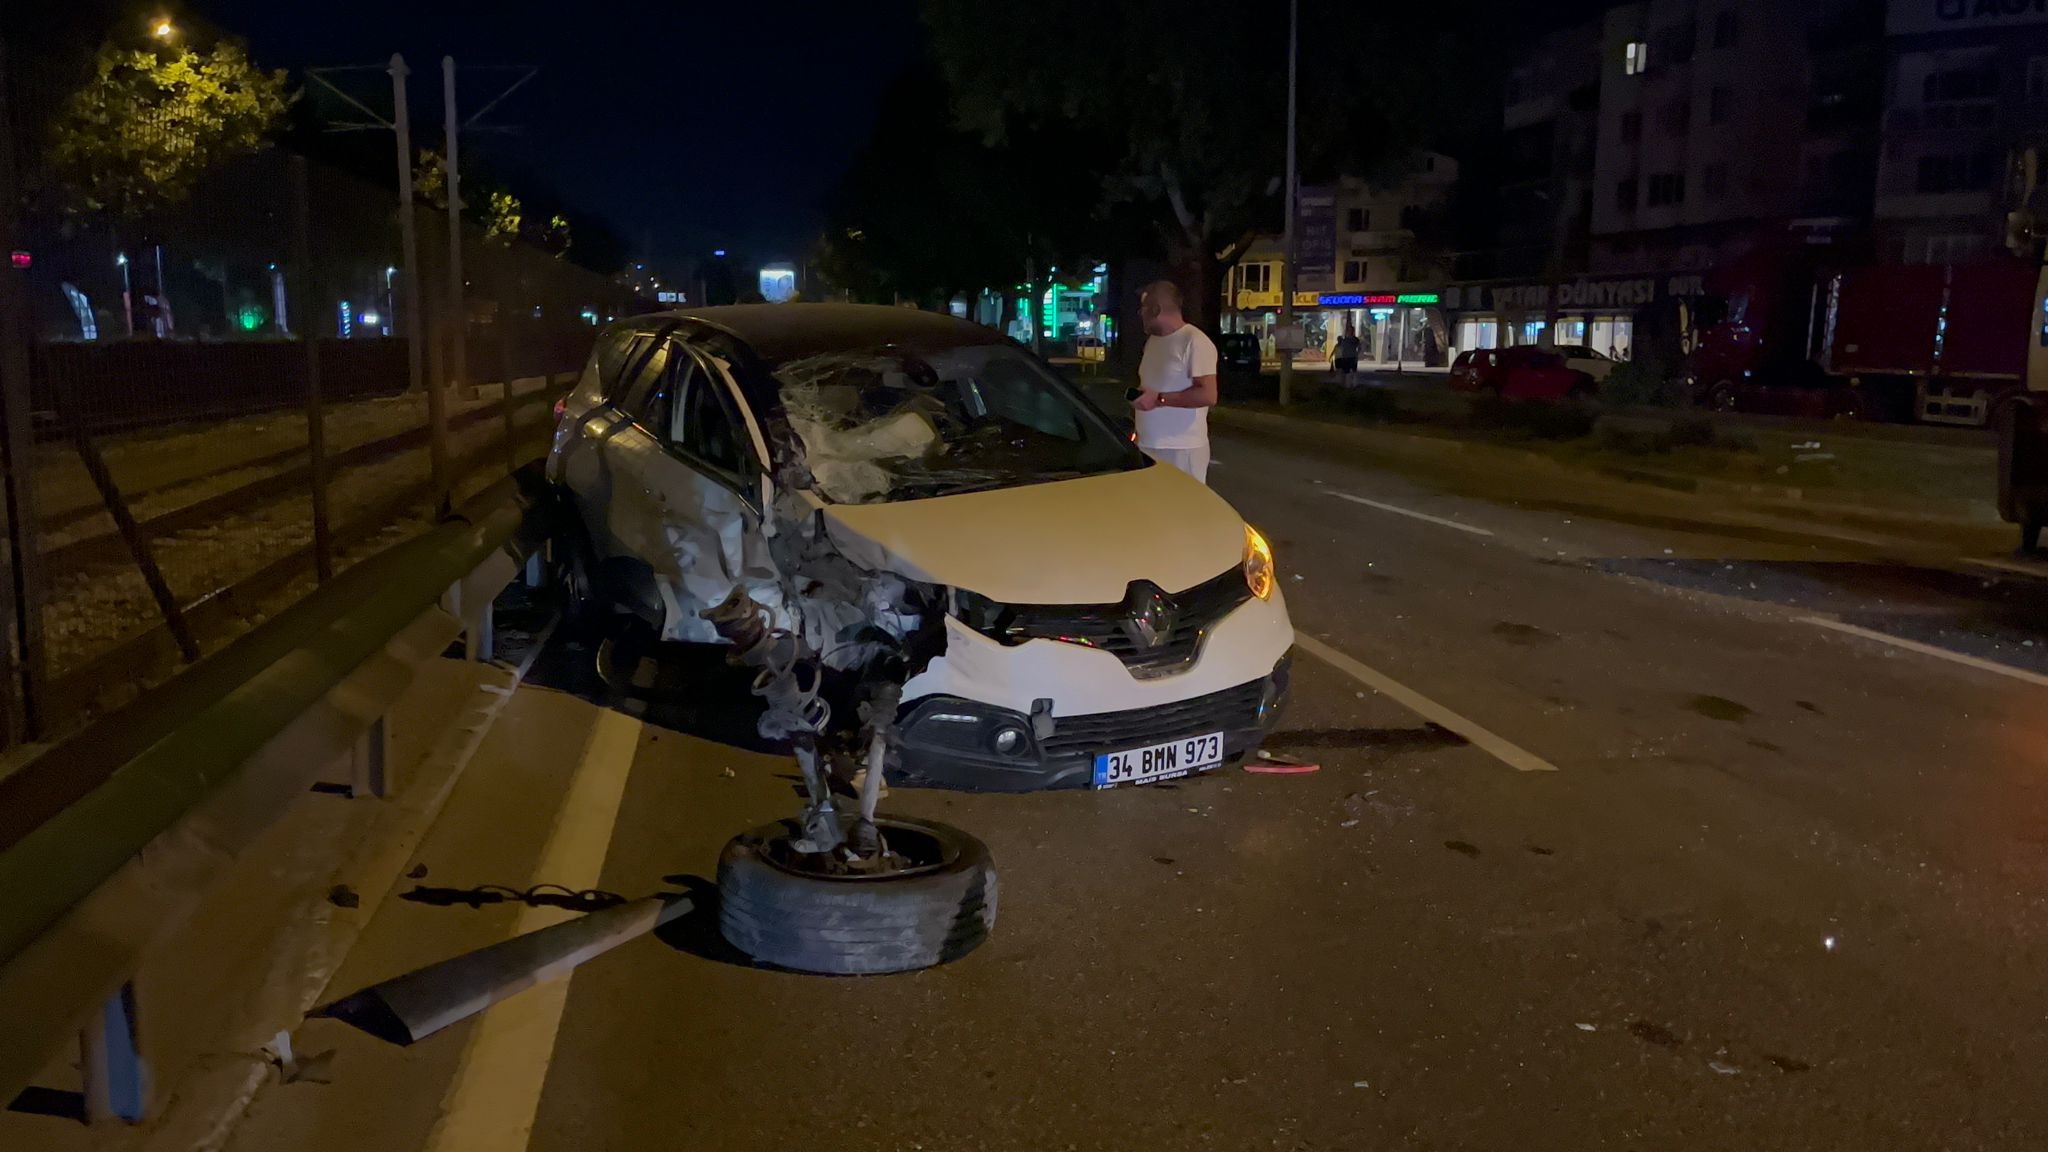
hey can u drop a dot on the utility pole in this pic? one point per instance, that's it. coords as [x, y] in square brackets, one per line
[415, 330]
[458, 326]
[1031, 309]
[21, 698]
[1287, 269]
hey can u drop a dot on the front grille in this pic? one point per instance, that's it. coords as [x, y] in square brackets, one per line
[1232, 708]
[1197, 610]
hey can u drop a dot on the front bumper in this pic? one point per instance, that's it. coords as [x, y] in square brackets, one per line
[950, 742]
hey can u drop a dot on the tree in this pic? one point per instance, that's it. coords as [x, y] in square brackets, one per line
[149, 124]
[503, 215]
[1187, 98]
[927, 209]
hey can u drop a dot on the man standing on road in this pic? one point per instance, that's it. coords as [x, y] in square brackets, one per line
[1177, 384]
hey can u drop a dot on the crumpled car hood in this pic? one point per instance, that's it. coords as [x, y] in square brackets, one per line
[1068, 542]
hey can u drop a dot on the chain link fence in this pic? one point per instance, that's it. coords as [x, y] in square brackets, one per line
[212, 406]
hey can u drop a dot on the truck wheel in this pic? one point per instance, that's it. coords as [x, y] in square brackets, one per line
[808, 914]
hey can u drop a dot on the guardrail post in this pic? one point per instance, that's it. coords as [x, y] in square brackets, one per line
[370, 760]
[116, 1077]
[476, 623]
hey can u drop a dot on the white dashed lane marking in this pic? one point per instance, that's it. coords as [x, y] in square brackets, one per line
[1413, 515]
[1506, 751]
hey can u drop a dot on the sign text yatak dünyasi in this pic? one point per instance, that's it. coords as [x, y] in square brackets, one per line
[1909, 16]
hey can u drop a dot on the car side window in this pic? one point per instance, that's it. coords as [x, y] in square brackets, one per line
[702, 427]
[612, 350]
[616, 362]
[644, 394]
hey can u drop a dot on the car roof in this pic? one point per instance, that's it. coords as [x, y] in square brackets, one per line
[778, 332]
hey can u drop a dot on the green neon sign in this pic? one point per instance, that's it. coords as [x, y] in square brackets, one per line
[1416, 298]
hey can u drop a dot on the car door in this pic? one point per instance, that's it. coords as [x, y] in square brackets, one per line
[686, 496]
[591, 417]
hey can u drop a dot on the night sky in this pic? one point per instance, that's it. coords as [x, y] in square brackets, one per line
[687, 125]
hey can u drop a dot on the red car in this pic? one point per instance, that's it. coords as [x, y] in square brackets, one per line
[1524, 372]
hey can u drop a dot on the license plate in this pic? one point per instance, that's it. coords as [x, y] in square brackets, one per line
[1159, 761]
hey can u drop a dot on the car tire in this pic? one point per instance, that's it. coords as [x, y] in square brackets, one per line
[572, 575]
[851, 925]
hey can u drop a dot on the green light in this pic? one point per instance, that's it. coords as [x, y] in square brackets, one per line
[1416, 298]
[249, 319]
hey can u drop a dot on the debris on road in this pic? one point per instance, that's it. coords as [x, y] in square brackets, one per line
[419, 872]
[1274, 764]
[1724, 1069]
[727, 773]
[1654, 1033]
[1586, 1027]
[343, 896]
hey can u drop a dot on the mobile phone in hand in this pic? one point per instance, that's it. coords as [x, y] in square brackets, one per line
[1132, 394]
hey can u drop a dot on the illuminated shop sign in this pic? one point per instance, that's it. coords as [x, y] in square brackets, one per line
[1375, 299]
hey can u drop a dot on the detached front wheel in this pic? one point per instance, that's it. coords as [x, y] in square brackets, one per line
[933, 900]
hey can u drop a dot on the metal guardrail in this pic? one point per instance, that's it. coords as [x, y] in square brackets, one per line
[109, 840]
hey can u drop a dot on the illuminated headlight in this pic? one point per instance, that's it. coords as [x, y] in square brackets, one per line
[1258, 563]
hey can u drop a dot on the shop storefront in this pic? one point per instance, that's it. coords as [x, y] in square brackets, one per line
[1597, 312]
[1392, 328]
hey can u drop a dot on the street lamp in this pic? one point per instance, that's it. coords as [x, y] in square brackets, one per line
[127, 293]
[162, 28]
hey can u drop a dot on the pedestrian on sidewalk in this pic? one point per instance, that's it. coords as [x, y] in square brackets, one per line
[1346, 360]
[1176, 383]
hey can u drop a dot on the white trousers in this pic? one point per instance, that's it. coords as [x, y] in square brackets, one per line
[1193, 461]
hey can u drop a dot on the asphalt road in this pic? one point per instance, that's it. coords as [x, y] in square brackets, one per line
[1724, 877]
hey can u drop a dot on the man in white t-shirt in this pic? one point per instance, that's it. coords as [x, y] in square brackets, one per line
[1177, 382]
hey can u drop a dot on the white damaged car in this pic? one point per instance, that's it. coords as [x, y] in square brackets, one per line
[927, 511]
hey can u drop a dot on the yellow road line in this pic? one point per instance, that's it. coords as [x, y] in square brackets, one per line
[492, 1103]
[1501, 749]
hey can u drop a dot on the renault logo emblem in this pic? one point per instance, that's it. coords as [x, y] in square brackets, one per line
[1149, 617]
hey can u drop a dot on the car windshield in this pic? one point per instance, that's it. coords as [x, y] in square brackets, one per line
[895, 424]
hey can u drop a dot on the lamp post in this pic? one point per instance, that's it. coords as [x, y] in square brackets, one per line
[1287, 278]
[127, 292]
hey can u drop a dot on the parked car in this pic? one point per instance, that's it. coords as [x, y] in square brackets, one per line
[1239, 350]
[1804, 392]
[929, 508]
[1524, 372]
[1592, 364]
